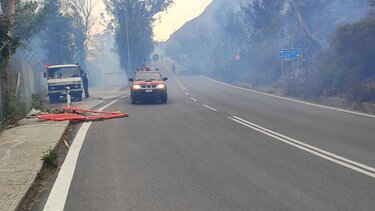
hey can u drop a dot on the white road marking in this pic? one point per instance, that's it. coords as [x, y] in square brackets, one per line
[187, 93]
[179, 83]
[194, 99]
[209, 107]
[359, 167]
[183, 88]
[289, 99]
[59, 193]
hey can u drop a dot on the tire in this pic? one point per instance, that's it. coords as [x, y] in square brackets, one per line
[133, 101]
[164, 99]
[78, 97]
[53, 100]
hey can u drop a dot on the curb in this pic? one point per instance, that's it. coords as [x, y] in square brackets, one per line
[32, 181]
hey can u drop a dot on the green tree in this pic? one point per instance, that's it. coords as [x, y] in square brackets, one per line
[81, 12]
[354, 61]
[29, 19]
[57, 38]
[132, 24]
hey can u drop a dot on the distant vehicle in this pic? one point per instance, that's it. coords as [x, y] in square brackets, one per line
[59, 77]
[148, 85]
[155, 57]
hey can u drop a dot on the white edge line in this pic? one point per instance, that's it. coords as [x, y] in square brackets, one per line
[209, 107]
[289, 99]
[318, 151]
[59, 193]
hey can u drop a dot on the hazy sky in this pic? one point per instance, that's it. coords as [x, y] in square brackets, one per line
[176, 16]
[181, 12]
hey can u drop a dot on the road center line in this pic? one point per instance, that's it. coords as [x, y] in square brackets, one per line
[179, 83]
[59, 193]
[209, 107]
[359, 167]
[193, 99]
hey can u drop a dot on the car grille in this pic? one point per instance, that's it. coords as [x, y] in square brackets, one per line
[148, 86]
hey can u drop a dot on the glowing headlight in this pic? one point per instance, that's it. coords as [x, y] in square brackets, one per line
[160, 86]
[136, 87]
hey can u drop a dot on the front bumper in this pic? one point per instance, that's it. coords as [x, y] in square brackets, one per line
[148, 93]
[63, 93]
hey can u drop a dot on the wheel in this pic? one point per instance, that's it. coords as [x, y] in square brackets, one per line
[53, 100]
[164, 99]
[133, 101]
[78, 97]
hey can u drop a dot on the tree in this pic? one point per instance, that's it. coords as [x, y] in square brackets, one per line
[82, 12]
[351, 62]
[29, 19]
[57, 38]
[132, 24]
[296, 5]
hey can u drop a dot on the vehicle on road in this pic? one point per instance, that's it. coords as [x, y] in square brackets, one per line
[148, 85]
[59, 77]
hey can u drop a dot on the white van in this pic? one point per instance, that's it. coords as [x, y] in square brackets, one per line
[59, 77]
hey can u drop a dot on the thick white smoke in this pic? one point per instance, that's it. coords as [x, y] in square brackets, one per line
[103, 64]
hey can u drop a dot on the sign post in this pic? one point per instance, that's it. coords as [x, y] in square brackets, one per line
[288, 54]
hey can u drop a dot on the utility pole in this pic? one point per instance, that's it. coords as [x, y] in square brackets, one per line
[127, 41]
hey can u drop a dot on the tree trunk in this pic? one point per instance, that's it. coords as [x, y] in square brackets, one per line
[301, 21]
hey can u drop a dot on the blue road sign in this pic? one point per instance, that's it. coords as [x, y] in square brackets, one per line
[292, 53]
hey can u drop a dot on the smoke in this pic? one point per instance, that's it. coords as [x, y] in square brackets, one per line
[103, 63]
[231, 42]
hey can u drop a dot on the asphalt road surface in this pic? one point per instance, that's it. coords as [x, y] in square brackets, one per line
[217, 147]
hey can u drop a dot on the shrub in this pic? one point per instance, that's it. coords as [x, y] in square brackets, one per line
[37, 101]
[12, 109]
[49, 157]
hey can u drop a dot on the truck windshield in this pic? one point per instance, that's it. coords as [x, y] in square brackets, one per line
[63, 72]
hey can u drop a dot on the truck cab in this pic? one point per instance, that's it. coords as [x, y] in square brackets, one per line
[59, 77]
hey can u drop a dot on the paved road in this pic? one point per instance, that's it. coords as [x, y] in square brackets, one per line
[223, 148]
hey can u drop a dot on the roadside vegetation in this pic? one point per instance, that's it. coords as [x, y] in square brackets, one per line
[49, 158]
[62, 31]
[238, 43]
[132, 24]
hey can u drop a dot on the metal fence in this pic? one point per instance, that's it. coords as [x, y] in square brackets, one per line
[26, 78]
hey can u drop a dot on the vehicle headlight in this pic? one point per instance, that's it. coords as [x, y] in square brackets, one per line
[136, 87]
[160, 86]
